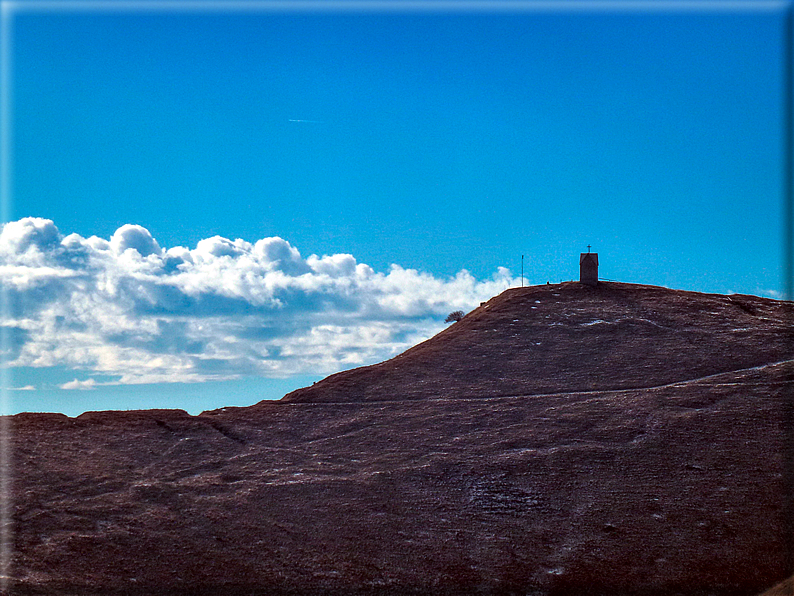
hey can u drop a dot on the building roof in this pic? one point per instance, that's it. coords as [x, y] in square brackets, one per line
[591, 256]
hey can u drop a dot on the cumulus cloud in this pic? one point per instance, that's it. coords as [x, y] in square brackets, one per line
[137, 238]
[132, 311]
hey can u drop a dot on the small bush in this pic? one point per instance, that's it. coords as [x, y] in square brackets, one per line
[454, 316]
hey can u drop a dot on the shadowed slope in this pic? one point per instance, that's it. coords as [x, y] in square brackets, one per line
[674, 491]
[570, 337]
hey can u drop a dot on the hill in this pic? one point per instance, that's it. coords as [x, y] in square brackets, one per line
[639, 449]
[572, 337]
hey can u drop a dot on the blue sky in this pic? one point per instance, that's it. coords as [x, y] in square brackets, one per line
[434, 141]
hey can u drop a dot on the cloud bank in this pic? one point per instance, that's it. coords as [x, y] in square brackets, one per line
[130, 311]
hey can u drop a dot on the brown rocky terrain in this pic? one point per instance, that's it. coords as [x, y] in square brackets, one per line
[784, 588]
[572, 337]
[622, 440]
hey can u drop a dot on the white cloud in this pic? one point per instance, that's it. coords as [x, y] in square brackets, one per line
[28, 235]
[776, 294]
[128, 309]
[87, 384]
[136, 238]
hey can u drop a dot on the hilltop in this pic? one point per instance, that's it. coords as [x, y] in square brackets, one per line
[572, 337]
[559, 440]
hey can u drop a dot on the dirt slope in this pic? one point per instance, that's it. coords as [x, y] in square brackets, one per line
[571, 486]
[570, 337]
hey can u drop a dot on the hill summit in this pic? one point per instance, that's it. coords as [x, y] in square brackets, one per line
[571, 337]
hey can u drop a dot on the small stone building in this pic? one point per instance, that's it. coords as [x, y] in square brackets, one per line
[588, 268]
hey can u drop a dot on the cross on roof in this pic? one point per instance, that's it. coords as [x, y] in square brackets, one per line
[588, 248]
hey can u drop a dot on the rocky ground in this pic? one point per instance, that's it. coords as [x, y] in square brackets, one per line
[558, 440]
[571, 337]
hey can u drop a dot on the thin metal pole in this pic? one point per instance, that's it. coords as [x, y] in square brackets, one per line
[522, 271]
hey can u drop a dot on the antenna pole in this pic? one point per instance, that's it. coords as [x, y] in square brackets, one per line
[522, 271]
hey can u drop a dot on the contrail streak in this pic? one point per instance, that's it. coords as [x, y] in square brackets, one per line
[308, 121]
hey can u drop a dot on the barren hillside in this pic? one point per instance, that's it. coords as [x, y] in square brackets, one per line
[561, 440]
[571, 337]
